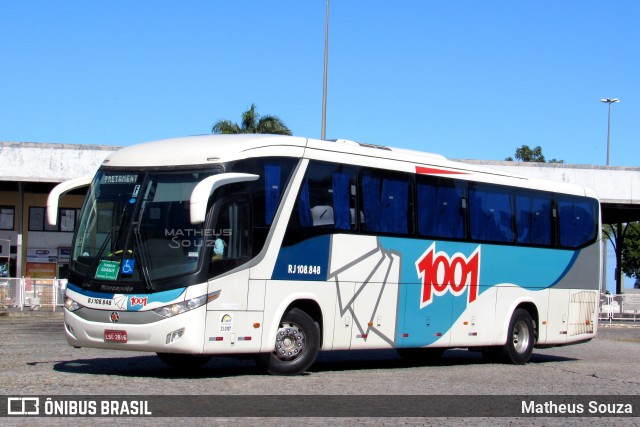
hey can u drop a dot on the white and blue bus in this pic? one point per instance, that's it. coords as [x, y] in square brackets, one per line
[283, 246]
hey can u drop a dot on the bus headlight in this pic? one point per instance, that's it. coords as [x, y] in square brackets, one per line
[71, 305]
[181, 307]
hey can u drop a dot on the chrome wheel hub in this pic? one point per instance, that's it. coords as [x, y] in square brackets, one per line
[521, 337]
[290, 342]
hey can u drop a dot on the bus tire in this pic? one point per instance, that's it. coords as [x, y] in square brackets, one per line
[520, 338]
[296, 346]
[184, 361]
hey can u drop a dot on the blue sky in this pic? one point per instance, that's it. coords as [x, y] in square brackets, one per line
[467, 79]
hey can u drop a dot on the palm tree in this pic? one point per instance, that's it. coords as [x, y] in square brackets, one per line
[252, 123]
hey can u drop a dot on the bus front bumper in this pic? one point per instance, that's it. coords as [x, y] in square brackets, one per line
[178, 334]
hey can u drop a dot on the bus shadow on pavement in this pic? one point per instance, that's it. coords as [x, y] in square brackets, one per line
[389, 359]
[331, 361]
[151, 366]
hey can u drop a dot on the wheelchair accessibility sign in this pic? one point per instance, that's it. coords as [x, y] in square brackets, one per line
[127, 266]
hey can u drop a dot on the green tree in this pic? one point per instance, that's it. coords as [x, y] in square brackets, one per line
[252, 123]
[626, 244]
[631, 251]
[528, 154]
[630, 247]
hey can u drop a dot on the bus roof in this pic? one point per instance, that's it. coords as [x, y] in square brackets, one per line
[215, 149]
[199, 150]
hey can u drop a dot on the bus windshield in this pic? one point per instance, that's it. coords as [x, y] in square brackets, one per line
[134, 226]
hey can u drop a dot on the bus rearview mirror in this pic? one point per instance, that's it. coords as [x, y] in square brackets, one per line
[205, 188]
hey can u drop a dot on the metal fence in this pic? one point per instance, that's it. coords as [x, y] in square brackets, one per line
[32, 294]
[620, 307]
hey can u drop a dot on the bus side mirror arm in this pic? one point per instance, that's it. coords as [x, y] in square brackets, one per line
[59, 190]
[205, 188]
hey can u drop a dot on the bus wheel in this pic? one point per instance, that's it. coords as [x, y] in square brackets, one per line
[520, 338]
[296, 346]
[184, 361]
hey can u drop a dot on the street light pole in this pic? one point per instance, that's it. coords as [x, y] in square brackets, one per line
[324, 87]
[608, 101]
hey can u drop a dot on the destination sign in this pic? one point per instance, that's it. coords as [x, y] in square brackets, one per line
[119, 179]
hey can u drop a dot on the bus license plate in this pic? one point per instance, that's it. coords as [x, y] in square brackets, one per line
[115, 336]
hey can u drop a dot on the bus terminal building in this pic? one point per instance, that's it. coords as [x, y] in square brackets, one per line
[28, 172]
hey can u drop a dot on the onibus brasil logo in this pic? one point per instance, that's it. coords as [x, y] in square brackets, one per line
[441, 273]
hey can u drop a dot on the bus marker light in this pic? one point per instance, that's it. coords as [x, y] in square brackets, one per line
[244, 338]
[370, 323]
[465, 323]
[438, 334]
[405, 335]
[256, 325]
[213, 296]
[473, 334]
[544, 322]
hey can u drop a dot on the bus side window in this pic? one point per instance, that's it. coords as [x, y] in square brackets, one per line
[230, 239]
[326, 199]
[272, 190]
[385, 202]
[491, 213]
[534, 218]
[577, 221]
[441, 208]
[266, 192]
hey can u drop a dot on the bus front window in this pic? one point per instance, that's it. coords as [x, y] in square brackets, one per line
[106, 213]
[135, 227]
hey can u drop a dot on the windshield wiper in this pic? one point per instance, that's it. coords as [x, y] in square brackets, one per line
[96, 259]
[107, 239]
[143, 258]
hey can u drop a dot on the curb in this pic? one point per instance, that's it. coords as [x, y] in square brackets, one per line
[38, 314]
[618, 325]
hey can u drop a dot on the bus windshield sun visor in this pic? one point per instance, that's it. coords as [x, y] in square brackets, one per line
[205, 188]
[59, 190]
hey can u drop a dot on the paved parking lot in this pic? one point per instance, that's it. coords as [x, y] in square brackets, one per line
[35, 360]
